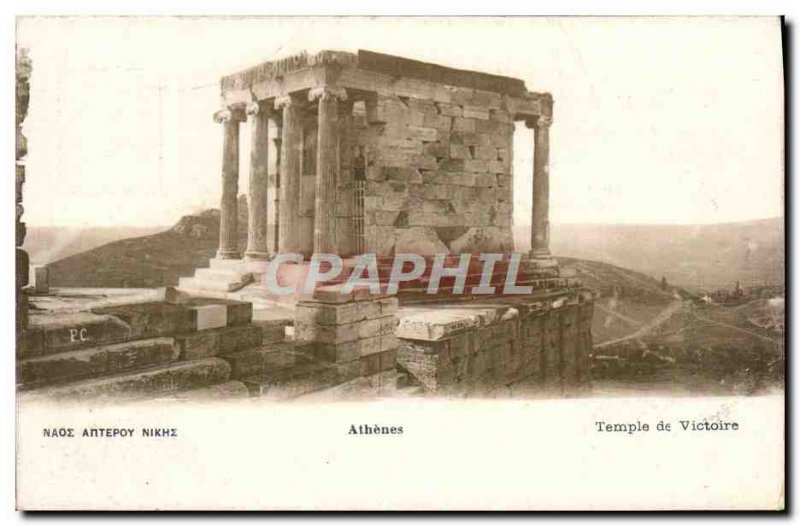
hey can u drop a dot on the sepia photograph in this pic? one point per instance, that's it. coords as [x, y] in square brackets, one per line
[386, 225]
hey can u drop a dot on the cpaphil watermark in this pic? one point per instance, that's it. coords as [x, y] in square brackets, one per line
[483, 274]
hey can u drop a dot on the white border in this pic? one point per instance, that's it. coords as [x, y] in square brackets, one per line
[8, 11]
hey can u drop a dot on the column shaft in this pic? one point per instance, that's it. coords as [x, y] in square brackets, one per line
[291, 152]
[228, 219]
[327, 170]
[257, 192]
[540, 223]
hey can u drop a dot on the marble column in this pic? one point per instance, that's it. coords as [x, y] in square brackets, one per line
[228, 219]
[540, 222]
[259, 176]
[291, 155]
[275, 185]
[327, 167]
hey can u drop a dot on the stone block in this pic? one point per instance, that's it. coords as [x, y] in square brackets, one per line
[235, 339]
[151, 319]
[377, 362]
[425, 106]
[450, 110]
[459, 151]
[326, 333]
[389, 342]
[210, 316]
[388, 306]
[462, 124]
[369, 328]
[419, 240]
[197, 345]
[239, 312]
[500, 115]
[476, 165]
[425, 162]
[466, 138]
[96, 361]
[41, 279]
[331, 294]
[476, 112]
[420, 133]
[439, 122]
[149, 383]
[451, 165]
[488, 153]
[388, 324]
[245, 363]
[312, 313]
[291, 382]
[337, 352]
[82, 329]
[436, 149]
[32, 342]
[347, 371]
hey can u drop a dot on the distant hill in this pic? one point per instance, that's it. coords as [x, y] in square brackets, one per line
[697, 257]
[153, 260]
[46, 244]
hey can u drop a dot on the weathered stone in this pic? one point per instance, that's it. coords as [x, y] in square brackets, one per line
[96, 361]
[149, 383]
[422, 241]
[377, 362]
[326, 314]
[326, 333]
[234, 339]
[450, 110]
[482, 240]
[197, 345]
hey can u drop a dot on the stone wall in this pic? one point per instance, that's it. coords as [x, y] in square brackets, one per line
[22, 98]
[500, 350]
[438, 175]
[353, 332]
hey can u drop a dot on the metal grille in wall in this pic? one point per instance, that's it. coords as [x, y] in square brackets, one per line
[359, 189]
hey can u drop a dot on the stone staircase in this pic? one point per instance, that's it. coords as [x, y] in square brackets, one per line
[222, 275]
[242, 280]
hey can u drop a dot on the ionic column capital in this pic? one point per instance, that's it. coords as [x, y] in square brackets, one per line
[255, 107]
[540, 122]
[227, 114]
[326, 93]
[286, 101]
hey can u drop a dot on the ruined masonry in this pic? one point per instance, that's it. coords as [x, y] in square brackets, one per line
[352, 153]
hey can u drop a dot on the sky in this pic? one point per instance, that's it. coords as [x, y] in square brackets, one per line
[656, 120]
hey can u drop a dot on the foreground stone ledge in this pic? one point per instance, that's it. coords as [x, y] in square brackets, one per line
[149, 383]
[105, 359]
[473, 352]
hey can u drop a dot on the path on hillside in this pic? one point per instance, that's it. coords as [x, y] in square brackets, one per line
[735, 328]
[674, 306]
[619, 315]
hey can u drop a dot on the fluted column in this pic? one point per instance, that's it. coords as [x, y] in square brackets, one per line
[228, 219]
[291, 154]
[327, 167]
[540, 223]
[257, 190]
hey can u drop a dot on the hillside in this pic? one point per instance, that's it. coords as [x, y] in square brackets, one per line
[696, 257]
[154, 260]
[46, 244]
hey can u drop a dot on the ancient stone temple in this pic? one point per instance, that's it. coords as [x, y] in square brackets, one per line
[364, 152]
[352, 155]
